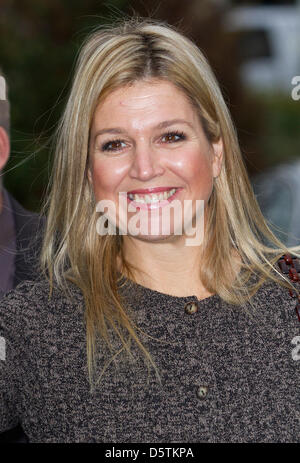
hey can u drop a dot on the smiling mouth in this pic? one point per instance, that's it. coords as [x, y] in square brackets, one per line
[152, 198]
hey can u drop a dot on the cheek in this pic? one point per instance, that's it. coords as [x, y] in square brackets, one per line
[106, 178]
[199, 175]
[195, 168]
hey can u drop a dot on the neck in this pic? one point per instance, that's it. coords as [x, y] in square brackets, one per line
[1, 201]
[167, 266]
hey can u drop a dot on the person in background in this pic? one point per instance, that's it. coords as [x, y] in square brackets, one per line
[18, 230]
[17, 225]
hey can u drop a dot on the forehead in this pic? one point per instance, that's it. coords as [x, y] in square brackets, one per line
[147, 98]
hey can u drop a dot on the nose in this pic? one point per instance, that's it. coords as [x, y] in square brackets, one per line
[146, 163]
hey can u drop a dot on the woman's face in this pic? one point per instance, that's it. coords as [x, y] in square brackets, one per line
[147, 142]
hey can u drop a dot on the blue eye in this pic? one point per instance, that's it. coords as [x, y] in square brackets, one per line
[173, 137]
[114, 145]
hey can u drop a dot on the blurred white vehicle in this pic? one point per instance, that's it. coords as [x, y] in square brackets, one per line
[278, 194]
[269, 45]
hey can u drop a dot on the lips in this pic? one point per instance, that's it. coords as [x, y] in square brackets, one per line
[145, 191]
[151, 198]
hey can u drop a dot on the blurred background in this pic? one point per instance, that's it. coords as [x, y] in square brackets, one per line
[252, 46]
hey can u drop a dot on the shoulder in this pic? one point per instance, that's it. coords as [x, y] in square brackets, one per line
[29, 229]
[23, 216]
[30, 304]
[38, 293]
[29, 226]
[274, 306]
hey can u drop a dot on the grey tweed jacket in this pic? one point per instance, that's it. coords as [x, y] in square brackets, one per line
[228, 374]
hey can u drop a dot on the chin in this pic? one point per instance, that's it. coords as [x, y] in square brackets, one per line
[156, 238]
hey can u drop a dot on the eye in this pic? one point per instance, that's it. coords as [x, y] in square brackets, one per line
[114, 145]
[173, 137]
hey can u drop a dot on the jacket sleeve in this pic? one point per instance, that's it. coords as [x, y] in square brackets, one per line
[11, 346]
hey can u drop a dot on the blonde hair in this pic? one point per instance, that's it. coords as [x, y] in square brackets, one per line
[72, 250]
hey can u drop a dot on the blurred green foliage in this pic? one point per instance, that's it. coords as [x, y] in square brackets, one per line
[281, 139]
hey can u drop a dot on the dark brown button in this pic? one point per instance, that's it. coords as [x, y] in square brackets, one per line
[202, 392]
[191, 307]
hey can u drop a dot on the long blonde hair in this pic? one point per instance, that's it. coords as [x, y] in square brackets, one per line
[72, 250]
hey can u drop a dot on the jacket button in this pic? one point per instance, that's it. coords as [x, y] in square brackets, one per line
[191, 307]
[202, 392]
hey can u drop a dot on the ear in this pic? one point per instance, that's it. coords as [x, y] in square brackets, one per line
[4, 147]
[218, 149]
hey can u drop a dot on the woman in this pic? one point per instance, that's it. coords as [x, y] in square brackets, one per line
[135, 336]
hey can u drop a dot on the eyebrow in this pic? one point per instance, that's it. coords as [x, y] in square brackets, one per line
[161, 125]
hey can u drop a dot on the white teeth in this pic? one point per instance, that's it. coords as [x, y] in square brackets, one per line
[152, 198]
